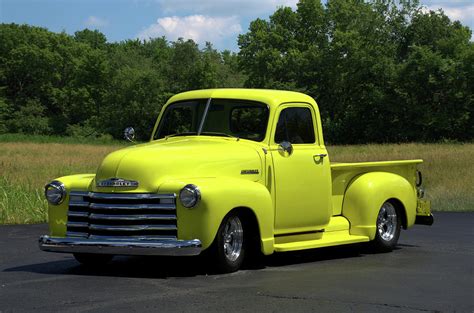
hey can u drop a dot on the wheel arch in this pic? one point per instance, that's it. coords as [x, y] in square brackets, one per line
[400, 210]
[367, 192]
[248, 216]
[219, 197]
[251, 224]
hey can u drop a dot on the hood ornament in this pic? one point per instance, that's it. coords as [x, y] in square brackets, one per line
[117, 182]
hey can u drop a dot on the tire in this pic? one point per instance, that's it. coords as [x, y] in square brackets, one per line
[228, 251]
[90, 259]
[388, 227]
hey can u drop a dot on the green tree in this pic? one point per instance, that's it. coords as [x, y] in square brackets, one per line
[29, 119]
[381, 70]
[5, 112]
[94, 38]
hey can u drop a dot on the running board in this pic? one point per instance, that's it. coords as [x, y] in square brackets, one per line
[326, 239]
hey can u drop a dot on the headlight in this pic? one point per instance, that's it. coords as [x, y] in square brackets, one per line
[189, 196]
[55, 192]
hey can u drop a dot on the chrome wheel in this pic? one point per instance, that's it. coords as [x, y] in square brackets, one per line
[230, 245]
[387, 222]
[233, 236]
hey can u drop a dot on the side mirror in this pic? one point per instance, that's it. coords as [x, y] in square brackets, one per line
[129, 134]
[286, 148]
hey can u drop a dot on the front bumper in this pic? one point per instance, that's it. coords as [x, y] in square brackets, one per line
[120, 246]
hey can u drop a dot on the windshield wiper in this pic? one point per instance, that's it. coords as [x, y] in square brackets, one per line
[181, 134]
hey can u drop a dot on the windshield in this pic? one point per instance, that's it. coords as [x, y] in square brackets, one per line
[223, 117]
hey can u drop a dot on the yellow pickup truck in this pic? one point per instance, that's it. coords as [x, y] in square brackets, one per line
[231, 173]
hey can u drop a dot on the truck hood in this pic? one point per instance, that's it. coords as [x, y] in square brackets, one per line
[153, 163]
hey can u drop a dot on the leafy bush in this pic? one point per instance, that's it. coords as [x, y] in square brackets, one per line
[29, 119]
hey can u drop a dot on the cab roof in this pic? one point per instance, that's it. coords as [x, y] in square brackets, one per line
[268, 96]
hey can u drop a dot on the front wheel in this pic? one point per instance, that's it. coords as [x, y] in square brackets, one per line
[388, 228]
[229, 247]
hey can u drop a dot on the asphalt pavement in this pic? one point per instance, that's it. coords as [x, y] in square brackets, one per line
[430, 271]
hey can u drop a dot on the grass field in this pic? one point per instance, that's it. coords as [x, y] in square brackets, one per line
[448, 169]
[25, 167]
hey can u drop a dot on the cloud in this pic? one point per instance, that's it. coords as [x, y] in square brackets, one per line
[463, 14]
[213, 7]
[96, 22]
[456, 10]
[199, 28]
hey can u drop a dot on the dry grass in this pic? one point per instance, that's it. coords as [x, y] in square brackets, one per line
[25, 168]
[448, 169]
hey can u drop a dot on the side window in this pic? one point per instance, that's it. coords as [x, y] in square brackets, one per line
[295, 125]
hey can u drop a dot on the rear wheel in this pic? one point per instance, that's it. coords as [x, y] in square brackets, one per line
[388, 228]
[90, 259]
[229, 247]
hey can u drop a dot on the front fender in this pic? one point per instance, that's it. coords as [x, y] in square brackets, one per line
[366, 194]
[57, 214]
[218, 197]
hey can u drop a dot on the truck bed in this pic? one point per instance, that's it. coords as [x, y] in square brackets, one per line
[344, 173]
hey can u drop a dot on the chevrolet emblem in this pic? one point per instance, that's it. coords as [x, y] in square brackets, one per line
[117, 182]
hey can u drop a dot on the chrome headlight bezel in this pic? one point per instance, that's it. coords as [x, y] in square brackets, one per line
[55, 192]
[190, 196]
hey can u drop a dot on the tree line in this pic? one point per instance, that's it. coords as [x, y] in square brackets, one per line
[380, 70]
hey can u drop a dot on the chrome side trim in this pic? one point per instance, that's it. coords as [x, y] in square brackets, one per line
[121, 247]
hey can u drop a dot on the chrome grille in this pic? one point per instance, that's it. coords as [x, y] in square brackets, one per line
[121, 215]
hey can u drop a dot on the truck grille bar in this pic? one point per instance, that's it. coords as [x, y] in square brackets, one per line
[119, 215]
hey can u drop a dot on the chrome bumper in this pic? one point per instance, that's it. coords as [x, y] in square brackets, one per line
[120, 247]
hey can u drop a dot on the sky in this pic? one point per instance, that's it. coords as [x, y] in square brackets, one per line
[216, 21]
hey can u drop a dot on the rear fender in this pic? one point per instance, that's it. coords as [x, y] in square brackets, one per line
[219, 196]
[365, 195]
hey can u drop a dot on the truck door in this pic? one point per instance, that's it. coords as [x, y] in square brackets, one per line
[302, 177]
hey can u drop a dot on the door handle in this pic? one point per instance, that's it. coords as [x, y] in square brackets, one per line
[318, 158]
